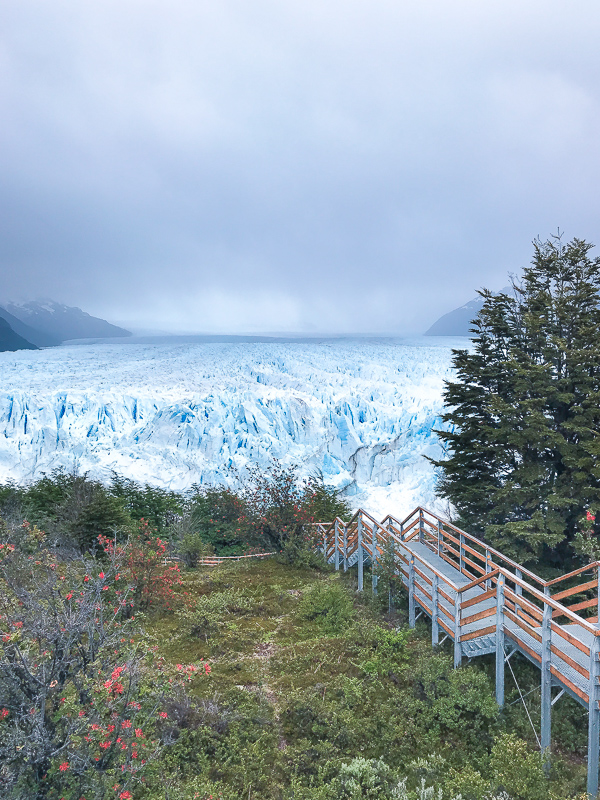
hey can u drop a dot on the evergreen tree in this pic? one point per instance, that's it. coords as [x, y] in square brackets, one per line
[524, 412]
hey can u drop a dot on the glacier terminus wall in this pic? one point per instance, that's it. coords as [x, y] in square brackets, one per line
[360, 411]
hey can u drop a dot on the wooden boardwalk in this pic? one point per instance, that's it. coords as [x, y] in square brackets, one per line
[486, 603]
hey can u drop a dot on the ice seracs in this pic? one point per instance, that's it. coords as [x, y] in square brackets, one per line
[361, 412]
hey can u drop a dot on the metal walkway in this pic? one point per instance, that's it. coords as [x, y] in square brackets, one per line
[486, 603]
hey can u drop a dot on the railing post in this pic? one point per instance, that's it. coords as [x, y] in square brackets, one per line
[421, 531]
[325, 545]
[374, 560]
[593, 718]
[360, 553]
[488, 583]
[336, 534]
[457, 644]
[461, 552]
[518, 589]
[391, 550]
[411, 593]
[439, 537]
[546, 680]
[500, 641]
[598, 592]
[345, 548]
[435, 627]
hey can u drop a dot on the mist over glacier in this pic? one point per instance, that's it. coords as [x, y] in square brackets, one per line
[362, 412]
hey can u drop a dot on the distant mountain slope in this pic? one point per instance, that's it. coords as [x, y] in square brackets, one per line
[9, 340]
[39, 338]
[63, 322]
[458, 322]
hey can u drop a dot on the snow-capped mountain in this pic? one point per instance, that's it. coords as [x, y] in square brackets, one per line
[173, 415]
[59, 322]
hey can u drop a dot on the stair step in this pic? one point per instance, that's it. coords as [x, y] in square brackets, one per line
[479, 647]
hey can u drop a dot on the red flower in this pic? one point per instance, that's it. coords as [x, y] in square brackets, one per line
[64, 766]
[590, 517]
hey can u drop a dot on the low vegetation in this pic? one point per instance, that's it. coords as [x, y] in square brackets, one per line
[126, 674]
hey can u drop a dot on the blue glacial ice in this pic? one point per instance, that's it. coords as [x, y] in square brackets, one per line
[362, 412]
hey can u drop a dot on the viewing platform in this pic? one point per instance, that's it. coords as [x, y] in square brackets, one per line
[486, 603]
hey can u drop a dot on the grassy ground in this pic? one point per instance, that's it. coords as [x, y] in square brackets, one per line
[307, 676]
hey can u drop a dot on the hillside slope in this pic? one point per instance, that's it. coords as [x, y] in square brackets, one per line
[63, 322]
[36, 337]
[10, 340]
[314, 692]
[459, 321]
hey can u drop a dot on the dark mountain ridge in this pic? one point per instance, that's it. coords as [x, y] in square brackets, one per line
[11, 341]
[62, 322]
[37, 323]
[33, 335]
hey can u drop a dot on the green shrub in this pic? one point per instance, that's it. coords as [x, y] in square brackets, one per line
[217, 517]
[328, 604]
[516, 770]
[387, 650]
[467, 783]
[209, 613]
[160, 507]
[452, 705]
[365, 779]
[192, 548]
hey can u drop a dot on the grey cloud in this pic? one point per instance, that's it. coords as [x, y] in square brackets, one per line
[327, 166]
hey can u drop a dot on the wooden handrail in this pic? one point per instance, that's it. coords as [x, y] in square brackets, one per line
[593, 565]
[486, 577]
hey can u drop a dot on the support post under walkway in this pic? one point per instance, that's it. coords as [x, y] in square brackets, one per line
[411, 593]
[593, 718]
[360, 554]
[546, 679]
[500, 641]
[435, 626]
[457, 645]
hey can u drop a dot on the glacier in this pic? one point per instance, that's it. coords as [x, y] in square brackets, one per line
[360, 411]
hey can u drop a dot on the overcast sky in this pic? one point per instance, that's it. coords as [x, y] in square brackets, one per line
[290, 165]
